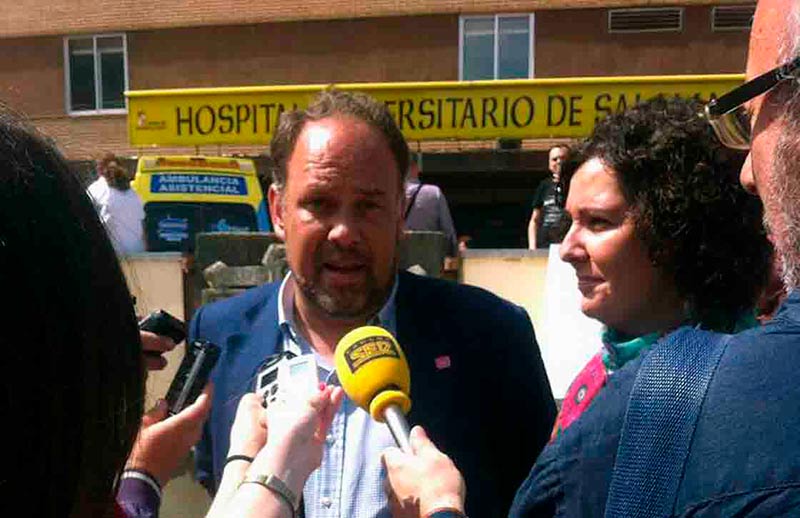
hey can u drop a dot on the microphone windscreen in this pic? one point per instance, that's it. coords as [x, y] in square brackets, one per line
[373, 370]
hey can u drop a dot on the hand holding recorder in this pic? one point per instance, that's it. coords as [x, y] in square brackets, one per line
[164, 441]
[174, 425]
[286, 440]
[160, 332]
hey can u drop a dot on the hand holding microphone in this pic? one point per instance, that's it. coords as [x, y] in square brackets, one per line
[423, 481]
[374, 373]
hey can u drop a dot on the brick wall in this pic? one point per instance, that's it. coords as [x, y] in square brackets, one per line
[41, 17]
[578, 44]
[31, 75]
[421, 48]
[418, 48]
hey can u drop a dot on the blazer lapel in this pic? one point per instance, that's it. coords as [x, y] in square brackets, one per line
[258, 338]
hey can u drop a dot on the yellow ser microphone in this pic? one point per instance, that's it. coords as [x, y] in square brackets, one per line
[374, 373]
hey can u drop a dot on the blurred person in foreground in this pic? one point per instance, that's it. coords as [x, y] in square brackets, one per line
[337, 201]
[72, 397]
[74, 393]
[661, 237]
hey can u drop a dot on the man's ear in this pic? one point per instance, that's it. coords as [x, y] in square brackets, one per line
[276, 208]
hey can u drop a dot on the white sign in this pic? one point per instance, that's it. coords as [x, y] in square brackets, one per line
[569, 338]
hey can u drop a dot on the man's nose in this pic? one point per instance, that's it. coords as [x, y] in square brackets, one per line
[344, 231]
[746, 177]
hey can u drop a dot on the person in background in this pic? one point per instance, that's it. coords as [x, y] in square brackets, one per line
[463, 242]
[119, 207]
[545, 225]
[98, 188]
[427, 209]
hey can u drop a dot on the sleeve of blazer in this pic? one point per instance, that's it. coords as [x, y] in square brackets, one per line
[525, 406]
[203, 465]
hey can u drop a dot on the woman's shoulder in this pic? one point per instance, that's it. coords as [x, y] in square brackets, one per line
[573, 474]
[542, 493]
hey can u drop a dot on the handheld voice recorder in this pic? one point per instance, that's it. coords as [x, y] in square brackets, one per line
[192, 375]
[286, 376]
[162, 323]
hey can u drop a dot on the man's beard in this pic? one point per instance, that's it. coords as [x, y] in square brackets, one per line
[782, 204]
[355, 304]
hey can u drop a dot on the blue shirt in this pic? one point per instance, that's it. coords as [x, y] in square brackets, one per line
[349, 483]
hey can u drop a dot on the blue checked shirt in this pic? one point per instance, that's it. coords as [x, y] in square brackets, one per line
[349, 483]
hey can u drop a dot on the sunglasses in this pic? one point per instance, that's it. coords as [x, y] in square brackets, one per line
[728, 114]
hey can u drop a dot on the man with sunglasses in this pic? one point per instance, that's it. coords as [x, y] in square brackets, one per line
[738, 454]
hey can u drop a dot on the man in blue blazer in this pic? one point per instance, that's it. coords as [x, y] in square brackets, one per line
[478, 384]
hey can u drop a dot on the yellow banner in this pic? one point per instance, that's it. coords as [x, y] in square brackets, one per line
[515, 109]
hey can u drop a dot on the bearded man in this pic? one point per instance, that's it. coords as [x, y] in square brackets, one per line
[337, 201]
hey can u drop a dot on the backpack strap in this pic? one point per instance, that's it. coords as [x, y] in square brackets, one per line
[411, 201]
[660, 420]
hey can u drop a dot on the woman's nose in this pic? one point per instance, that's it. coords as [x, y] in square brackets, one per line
[572, 249]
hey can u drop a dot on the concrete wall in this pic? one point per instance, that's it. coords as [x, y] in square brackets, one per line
[156, 280]
[515, 275]
[546, 287]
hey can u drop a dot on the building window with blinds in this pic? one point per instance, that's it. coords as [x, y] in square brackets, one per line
[496, 47]
[96, 73]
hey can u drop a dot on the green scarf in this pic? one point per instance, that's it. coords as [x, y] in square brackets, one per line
[619, 349]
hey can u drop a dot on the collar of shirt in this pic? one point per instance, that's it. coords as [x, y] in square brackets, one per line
[296, 343]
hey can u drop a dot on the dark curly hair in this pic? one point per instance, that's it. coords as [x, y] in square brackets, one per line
[697, 223]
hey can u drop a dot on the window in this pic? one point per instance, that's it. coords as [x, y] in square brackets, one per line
[496, 47]
[96, 73]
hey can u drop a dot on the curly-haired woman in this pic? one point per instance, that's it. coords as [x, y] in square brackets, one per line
[661, 236]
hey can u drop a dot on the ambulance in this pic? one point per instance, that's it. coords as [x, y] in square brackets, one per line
[184, 195]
